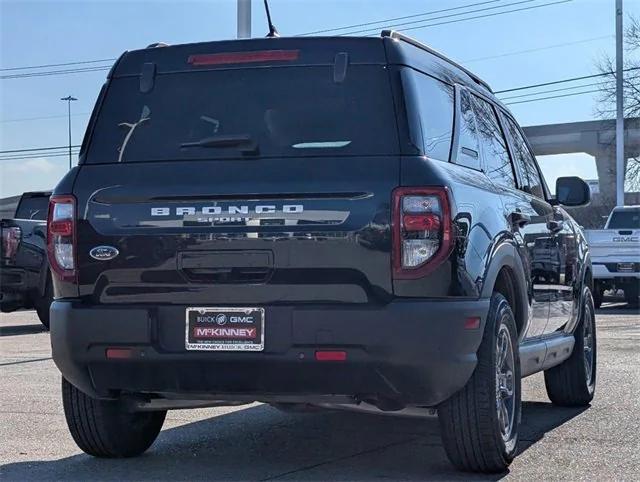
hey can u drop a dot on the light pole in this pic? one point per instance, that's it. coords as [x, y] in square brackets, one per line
[619, 109]
[69, 99]
[244, 18]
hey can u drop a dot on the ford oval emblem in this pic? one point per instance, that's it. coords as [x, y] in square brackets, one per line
[103, 253]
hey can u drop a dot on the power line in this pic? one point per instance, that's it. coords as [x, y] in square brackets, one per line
[34, 156]
[593, 84]
[346, 27]
[544, 84]
[55, 72]
[387, 26]
[38, 149]
[527, 51]
[46, 117]
[553, 97]
[104, 68]
[57, 65]
[494, 14]
[90, 69]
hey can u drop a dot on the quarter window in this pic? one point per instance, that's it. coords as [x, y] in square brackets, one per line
[531, 181]
[468, 149]
[497, 164]
[434, 105]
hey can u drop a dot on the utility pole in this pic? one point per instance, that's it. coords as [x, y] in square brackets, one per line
[69, 99]
[619, 109]
[244, 18]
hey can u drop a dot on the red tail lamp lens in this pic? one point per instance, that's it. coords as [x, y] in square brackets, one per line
[61, 236]
[61, 228]
[421, 222]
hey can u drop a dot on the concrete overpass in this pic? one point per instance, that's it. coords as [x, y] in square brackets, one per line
[596, 138]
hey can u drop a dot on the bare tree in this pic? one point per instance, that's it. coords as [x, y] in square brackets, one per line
[606, 108]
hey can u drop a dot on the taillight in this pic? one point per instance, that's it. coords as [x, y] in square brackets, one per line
[61, 236]
[222, 58]
[10, 241]
[422, 237]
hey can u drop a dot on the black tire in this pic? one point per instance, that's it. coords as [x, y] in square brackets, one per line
[469, 421]
[632, 294]
[598, 295]
[44, 303]
[104, 428]
[573, 382]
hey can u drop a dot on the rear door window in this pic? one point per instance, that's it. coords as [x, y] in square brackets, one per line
[35, 207]
[525, 161]
[434, 103]
[265, 112]
[468, 146]
[497, 163]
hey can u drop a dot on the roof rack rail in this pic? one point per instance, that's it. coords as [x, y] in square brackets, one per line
[399, 36]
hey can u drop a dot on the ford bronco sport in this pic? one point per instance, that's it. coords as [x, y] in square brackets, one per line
[313, 221]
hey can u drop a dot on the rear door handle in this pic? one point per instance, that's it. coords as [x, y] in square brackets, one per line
[519, 219]
[555, 226]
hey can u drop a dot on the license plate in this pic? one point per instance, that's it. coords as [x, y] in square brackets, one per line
[626, 266]
[225, 329]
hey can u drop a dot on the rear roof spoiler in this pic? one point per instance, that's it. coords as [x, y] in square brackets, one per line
[398, 36]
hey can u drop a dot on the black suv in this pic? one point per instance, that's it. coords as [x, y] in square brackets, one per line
[344, 222]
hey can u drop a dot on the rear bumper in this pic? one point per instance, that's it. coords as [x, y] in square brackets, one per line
[410, 352]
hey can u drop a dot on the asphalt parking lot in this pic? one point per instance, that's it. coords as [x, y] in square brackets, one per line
[257, 442]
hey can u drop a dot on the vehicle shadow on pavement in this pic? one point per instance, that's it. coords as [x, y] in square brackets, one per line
[539, 418]
[261, 443]
[13, 330]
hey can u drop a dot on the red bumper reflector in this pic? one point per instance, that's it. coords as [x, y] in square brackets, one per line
[331, 355]
[472, 323]
[242, 57]
[119, 353]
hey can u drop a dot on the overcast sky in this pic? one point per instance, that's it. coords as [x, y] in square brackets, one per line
[508, 50]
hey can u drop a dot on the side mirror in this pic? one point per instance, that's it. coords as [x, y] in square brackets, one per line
[572, 191]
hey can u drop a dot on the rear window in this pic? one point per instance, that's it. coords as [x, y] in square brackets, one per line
[627, 219]
[265, 112]
[33, 208]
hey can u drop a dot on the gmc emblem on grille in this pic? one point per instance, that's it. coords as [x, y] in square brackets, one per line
[626, 239]
[219, 210]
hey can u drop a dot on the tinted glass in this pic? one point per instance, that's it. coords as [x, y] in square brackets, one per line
[627, 219]
[435, 113]
[532, 183]
[497, 163]
[468, 150]
[274, 112]
[33, 208]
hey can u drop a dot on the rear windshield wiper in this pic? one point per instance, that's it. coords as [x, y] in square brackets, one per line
[243, 142]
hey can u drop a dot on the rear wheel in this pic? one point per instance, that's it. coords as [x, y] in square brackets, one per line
[573, 382]
[480, 423]
[631, 294]
[104, 428]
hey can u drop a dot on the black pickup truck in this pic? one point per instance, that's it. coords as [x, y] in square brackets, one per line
[25, 280]
[338, 222]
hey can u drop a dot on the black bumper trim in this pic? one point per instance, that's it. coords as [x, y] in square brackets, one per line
[411, 351]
